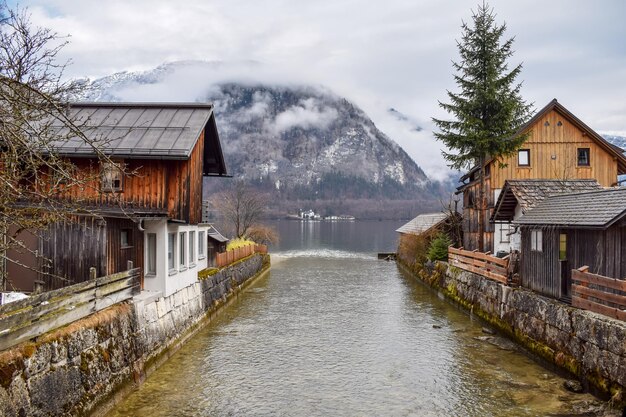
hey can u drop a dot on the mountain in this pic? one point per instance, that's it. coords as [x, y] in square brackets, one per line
[616, 140]
[305, 145]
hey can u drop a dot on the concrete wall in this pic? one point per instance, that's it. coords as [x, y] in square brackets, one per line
[588, 345]
[85, 367]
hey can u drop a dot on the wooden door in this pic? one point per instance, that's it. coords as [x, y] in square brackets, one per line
[566, 270]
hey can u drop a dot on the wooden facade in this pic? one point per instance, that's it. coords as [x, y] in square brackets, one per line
[554, 137]
[604, 251]
[167, 187]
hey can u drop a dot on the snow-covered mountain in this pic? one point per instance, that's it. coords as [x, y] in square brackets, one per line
[616, 140]
[297, 142]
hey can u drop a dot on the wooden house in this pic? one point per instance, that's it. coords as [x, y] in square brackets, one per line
[149, 212]
[517, 197]
[559, 146]
[566, 232]
[428, 226]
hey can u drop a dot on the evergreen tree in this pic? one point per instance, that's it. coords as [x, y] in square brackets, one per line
[438, 249]
[488, 110]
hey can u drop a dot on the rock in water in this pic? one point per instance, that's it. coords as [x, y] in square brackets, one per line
[487, 330]
[573, 386]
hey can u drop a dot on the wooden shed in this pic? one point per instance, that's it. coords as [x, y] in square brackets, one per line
[216, 244]
[566, 232]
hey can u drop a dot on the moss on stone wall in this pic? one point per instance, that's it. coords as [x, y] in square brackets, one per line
[446, 280]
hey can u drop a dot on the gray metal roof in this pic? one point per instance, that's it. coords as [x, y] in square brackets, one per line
[137, 130]
[595, 209]
[422, 223]
[216, 235]
[527, 193]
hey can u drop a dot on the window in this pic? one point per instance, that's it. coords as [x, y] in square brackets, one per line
[192, 248]
[171, 245]
[536, 240]
[182, 259]
[201, 240]
[111, 175]
[523, 157]
[583, 157]
[562, 247]
[125, 238]
[151, 247]
[505, 229]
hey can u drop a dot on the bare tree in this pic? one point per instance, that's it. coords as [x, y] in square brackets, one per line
[241, 206]
[264, 234]
[34, 120]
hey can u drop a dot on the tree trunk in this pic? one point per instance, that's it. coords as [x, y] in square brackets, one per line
[481, 206]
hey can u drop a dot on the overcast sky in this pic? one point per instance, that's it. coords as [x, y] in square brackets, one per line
[394, 53]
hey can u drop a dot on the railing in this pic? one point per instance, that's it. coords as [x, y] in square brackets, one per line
[598, 293]
[31, 317]
[480, 263]
[233, 255]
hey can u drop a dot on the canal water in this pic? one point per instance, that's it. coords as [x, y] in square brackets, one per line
[332, 331]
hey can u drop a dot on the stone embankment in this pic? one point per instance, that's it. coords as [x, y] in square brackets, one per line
[84, 368]
[588, 345]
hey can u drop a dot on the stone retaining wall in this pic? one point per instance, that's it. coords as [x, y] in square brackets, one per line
[588, 345]
[83, 368]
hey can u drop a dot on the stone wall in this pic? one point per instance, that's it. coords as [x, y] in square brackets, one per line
[83, 368]
[588, 345]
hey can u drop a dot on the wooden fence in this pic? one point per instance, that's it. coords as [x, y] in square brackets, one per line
[30, 317]
[598, 293]
[233, 255]
[480, 263]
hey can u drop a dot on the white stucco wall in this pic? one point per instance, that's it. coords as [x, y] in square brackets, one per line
[168, 281]
[515, 239]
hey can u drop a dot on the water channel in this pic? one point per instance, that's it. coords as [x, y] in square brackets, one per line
[332, 331]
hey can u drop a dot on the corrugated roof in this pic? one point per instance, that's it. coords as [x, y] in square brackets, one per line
[422, 223]
[527, 193]
[596, 209]
[141, 130]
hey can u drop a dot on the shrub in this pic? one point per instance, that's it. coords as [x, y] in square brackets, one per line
[238, 243]
[438, 250]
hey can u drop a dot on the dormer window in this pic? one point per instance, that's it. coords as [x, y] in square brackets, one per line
[112, 174]
[583, 157]
[523, 157]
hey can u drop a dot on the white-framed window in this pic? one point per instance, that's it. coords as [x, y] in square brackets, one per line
[112, 176]
[536, 240]
[201, 244]
[182, 250]
[151, 248]
[192, 248]
[523, 157]
[171, 251]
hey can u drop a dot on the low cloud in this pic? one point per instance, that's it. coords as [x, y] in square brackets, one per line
[307, 114]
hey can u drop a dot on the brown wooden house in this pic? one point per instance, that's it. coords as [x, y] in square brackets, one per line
[566, 232]
[559, 146]
[149, 212]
